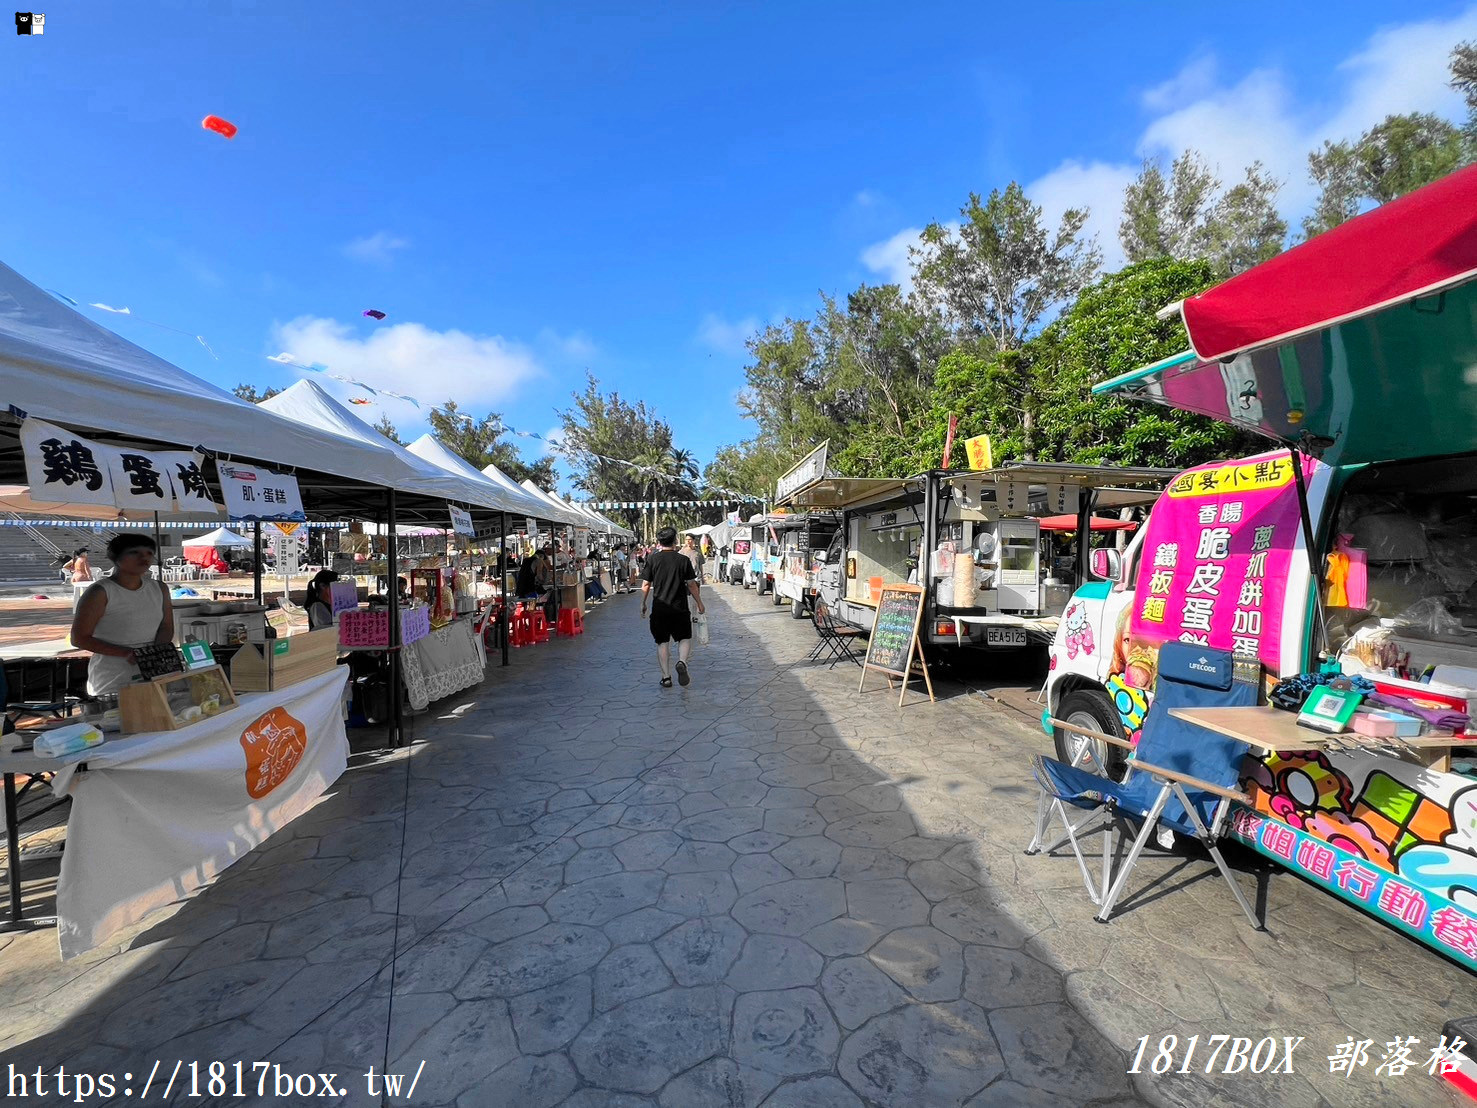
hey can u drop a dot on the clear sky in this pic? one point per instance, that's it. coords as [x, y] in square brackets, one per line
[532, 190]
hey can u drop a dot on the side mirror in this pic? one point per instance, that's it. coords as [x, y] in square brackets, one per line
[820, 558]
[1107, 564]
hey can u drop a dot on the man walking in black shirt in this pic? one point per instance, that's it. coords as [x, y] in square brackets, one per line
[666, 579]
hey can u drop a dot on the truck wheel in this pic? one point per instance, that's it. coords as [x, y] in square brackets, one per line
[759, 582]
[776, 598]
[1091, 709]
[797, 610]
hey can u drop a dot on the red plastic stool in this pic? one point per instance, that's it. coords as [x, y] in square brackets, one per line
[521, 628]
[539, 626]
[571, 621]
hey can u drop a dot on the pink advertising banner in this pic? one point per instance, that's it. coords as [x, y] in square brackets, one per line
[1216, 554]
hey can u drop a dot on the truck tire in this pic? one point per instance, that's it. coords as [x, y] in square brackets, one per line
[1092, 709]
[775, 598]
[797, 610]
[759, 582]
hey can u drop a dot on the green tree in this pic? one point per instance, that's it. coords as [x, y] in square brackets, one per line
[1464, 80]
[1169, 217]
[624, 452]
[249, 394]
[1000, 276]
[1394, 157]
[1113, 329]
[386, 428]
[480, 442]
[1245, 228]
[750, 467]
[1002, 272]
[787, 384]
[1187, 215]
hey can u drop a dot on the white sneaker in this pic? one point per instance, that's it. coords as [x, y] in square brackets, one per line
[1164, 836]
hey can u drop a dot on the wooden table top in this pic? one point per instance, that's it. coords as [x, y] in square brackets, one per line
[1273, 731]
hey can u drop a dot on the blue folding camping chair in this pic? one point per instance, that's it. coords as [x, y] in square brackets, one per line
[1181, 776]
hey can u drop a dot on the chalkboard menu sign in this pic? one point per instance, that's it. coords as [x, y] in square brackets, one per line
[898, 612]
[893, 648]
[158, 659]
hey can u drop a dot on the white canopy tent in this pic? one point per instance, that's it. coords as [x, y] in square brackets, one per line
[17, 499]
[607, 523]
[308, 403]
[431, 449]
[57, 365]
[492, 473]
[563, 510]
[221, 538]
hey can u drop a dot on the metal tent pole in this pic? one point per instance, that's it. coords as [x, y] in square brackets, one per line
[502, 537]
[256, 561]
[397, 710]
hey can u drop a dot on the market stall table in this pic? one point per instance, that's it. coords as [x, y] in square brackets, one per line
[446, 661]
[15, 764]
[1273, 731]
[156, 816]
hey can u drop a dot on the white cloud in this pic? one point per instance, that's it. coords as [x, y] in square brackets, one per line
[1193, 81]
[890, 257]
[727, 338]
[552, 442]
[1255, 119]
[1099, 187]
[867, 198]
[575, 347]
[1403, 69]
[377, 249]
[1259, 118]
[432, 366]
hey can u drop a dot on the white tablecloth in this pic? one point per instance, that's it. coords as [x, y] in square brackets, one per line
[441, 663]
[157, 816]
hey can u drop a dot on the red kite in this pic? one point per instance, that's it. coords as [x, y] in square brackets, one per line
[219, 126]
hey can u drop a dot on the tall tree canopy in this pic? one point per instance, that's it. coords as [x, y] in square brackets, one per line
[625, 452]
[1187, 215]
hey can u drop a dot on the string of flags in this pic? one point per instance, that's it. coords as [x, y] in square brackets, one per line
[555, 443]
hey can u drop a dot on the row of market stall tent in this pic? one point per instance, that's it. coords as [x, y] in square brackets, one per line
[58, 365]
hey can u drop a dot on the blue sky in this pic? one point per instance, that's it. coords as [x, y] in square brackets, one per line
[533, 190]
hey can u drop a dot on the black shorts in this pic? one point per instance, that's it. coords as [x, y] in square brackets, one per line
[674, 624]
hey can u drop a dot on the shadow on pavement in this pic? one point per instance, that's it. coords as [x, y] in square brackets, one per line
[583, 889]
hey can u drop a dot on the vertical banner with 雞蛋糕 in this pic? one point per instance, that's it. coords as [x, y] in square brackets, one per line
[1214, 562]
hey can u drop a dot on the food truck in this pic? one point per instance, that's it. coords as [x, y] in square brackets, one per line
[762, 555]
[1346, 556]
[805, 543]
[990, 546]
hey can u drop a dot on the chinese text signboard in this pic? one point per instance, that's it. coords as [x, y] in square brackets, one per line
[67, 468]
[1216, 553]
[1417, 910]
[253, 492]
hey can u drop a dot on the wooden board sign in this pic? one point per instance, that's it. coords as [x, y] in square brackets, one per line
[893, 648]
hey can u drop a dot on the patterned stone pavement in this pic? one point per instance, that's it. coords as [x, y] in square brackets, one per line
[766, 889]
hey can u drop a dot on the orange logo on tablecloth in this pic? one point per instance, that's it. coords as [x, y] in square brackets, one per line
[274, 745]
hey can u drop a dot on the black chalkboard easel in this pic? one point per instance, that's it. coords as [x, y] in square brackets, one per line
[893, 648]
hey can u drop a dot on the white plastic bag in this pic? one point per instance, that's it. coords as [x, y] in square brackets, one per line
[700, 628]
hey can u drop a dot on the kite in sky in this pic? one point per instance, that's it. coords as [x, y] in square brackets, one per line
[219, 126]
[374, 313]
[360, 400]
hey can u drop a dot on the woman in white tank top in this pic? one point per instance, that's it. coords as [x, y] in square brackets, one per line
[125, 610]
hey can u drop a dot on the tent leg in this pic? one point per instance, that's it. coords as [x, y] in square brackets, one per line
[502, 537]
[397, 707]
[1310, 542]
[256, 561]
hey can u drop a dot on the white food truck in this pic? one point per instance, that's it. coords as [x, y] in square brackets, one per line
[995, 549]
